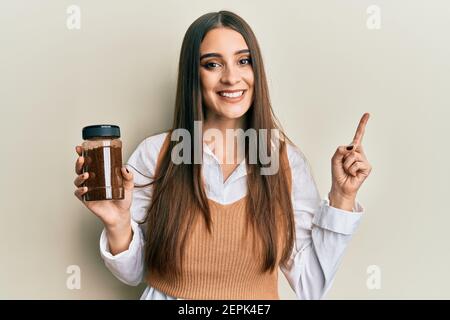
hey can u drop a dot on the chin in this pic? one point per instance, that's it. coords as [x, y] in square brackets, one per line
[236, 114]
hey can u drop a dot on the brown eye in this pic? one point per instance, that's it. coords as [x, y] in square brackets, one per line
[245, 61]
[210, 65]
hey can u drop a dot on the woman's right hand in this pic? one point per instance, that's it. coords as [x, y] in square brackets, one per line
[115, 214]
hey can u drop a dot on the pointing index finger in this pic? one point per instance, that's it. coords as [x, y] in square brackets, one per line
[360, 130]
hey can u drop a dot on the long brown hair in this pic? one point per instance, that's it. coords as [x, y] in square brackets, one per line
[177, 188]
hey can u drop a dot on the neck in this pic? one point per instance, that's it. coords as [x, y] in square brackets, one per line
[221, 124]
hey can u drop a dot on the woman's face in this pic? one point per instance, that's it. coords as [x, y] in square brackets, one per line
[226, 74]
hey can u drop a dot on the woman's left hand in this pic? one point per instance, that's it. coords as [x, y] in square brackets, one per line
[349, 168]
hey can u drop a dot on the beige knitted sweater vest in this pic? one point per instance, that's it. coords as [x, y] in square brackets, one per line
[225, 264]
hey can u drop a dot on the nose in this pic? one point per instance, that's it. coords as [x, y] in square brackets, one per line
[231, 75]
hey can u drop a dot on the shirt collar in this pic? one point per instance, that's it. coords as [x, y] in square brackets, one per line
[239, 171]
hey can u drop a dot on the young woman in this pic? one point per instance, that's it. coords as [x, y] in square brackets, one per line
[221, 229]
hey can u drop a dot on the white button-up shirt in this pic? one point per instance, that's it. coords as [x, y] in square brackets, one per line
[322, 232]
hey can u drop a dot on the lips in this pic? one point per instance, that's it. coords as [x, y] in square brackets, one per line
[231, 91]
[232, 96]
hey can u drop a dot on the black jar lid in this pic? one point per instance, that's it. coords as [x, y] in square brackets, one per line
[101, 130]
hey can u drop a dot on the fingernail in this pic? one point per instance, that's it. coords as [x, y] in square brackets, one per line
[349, 147]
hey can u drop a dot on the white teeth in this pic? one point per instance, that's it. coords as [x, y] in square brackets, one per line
[231, 95]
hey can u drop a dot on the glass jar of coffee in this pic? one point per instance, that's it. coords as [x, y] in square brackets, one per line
[102, 152]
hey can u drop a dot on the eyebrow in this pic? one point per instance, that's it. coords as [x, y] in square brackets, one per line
[218, 55]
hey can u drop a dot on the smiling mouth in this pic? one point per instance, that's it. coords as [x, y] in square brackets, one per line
[232, 96]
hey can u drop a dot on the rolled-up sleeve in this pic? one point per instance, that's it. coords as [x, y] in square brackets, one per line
[128, 266]
[322, 233]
